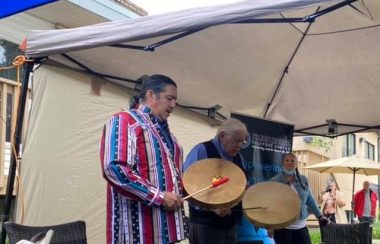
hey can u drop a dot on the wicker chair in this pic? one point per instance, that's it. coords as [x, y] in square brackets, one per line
[68, 233]
[357, 233]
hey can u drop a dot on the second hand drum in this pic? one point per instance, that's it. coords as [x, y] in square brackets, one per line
[271, 205]
[204, 172]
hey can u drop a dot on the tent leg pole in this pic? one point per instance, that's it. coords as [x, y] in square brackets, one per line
[17, 142]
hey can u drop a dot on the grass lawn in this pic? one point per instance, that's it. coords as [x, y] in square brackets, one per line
[315, 234]
[376, 230]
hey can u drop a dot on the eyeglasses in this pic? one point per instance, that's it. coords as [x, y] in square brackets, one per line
[290, 160]
[238, 141]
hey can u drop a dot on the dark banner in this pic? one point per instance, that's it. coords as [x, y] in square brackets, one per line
[266, 143]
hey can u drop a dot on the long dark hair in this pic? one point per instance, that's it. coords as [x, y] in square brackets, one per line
[155, 83]
[298, 176]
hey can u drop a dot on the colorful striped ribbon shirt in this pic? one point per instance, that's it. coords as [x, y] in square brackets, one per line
[139, 167]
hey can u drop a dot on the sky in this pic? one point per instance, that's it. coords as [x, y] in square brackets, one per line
[163, 6]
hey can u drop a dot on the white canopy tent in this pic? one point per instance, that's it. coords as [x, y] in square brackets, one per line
[299, 73]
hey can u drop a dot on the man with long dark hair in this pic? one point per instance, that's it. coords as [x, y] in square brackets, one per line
[142, 161]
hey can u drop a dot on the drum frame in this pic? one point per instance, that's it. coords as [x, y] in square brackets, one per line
[267, 188]
[214, 197]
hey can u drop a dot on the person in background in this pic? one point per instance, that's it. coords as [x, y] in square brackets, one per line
[297, 232]
[331, 201]
[218, 226]
[365, 204]
[141, 162]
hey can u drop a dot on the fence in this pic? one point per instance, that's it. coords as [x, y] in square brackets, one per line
[9, 94]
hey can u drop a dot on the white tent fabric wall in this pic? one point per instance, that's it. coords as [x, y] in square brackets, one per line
[60, 173]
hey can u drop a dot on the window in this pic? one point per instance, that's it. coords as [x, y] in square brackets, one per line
[369, 150]
[8, 51]
[349, 147]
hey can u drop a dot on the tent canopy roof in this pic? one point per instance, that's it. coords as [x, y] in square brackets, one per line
[302, 73]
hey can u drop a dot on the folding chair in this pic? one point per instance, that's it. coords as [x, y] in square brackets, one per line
[357, 233]
[72, 232]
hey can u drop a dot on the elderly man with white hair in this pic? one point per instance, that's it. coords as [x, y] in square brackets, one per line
[218, 226]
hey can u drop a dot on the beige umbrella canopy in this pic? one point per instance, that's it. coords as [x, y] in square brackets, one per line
[353, 164]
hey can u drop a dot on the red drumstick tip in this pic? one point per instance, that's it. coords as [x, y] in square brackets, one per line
[220, 181]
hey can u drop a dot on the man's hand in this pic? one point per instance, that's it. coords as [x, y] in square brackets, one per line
[172, 201]
[270, 232]
[323, 220]
[223, 212]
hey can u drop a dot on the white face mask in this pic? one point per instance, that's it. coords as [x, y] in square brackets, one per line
[289, 172]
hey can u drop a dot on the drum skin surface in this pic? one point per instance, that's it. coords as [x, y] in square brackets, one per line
[280, 205]
[201, 174]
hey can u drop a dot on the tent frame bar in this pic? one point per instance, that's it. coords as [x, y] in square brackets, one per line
[277, 20]
[330, 9]
[286, 69]
[97, 73]
[362, 128]
[307, 19]
[322, 125]
[211, 112]
[152, 47]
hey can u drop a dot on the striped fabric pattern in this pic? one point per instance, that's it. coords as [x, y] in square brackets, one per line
[139, 168]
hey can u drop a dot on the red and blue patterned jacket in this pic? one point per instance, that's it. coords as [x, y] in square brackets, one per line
[140, 166]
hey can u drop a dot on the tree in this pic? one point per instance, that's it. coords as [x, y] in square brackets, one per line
[8, 51]
[322, 143]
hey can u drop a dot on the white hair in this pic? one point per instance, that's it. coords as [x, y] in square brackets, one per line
[232, 125]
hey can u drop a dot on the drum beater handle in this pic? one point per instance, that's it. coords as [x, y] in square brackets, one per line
[213, 185]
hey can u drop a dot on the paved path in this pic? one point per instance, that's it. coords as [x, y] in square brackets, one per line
[375, 241]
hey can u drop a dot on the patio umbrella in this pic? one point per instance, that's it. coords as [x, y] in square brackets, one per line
[349, 165]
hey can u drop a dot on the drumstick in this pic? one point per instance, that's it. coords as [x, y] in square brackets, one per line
[213, 185]
[254, 208]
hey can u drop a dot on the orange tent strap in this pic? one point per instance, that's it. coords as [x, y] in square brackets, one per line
[19, 60]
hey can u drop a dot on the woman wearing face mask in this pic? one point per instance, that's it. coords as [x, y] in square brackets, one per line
[297, 232]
